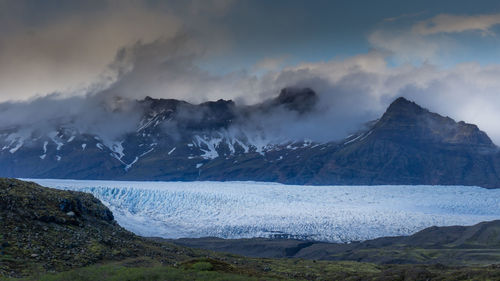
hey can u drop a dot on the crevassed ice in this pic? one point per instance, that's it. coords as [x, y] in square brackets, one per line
[251, 209]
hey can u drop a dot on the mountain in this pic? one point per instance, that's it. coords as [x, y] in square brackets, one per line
[410, 145]
[176, 140]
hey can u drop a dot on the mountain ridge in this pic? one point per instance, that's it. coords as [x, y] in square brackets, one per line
[457, 245]
[176, 140]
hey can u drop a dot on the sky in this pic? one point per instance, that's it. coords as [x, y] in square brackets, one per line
[63, 57]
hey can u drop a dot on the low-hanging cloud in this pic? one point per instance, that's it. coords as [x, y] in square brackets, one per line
[351, 91]
[108, 117]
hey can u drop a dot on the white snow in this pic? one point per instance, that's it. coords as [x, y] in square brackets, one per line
[45, 143]
[358, 138]
[20, 143]
[172, 150]
[84, 145]
[58, 158]
[128, 166]
[146, 152]
[208, 146]
[43, 156]
[353, 140]
[199, 165]
[55, 138]
[251, 209]
[365, 136]
[307, 143]
[117, 148]
[99, 145]
[71, 138]
[154, 117]
[14, 139]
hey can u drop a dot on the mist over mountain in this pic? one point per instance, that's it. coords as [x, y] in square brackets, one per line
[169, 139]
[350, 92]
[181, 90]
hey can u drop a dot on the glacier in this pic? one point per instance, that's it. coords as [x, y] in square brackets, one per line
[256, 209]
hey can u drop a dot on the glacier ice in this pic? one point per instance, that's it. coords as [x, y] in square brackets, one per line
[254, 209]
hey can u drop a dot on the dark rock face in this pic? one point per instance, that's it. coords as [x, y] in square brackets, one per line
[300, 100]
[410, 145]
[406, 121]
[177, 140]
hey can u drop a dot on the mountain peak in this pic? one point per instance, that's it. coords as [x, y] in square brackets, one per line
[407, 120]
[298, 99]
[403, 106]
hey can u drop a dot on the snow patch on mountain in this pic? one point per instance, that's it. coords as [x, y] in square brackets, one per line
[146, 152]
[19, 143]
[15, 141]
[117, 148]
[252, 209]
[128, 166]
[171, 150]
[208, 146]
[54, 136]
[152, 120]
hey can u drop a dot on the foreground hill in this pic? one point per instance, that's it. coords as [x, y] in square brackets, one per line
[176, 140]
[44, 231]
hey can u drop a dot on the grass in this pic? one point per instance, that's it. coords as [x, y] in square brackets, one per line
[147, 269]
[144, 270]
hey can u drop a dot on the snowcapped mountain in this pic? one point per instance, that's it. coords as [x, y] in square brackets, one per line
[176, 140]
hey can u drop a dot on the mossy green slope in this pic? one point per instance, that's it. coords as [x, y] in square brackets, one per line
[45, 229]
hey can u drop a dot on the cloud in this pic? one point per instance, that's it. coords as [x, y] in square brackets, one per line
[439, 39]
[271, 63]
[406, 46]
[108, 117]
[98, 64]
[446, 23]
[351, 91]
[403, 16]
[359, 89]
[50, 47]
